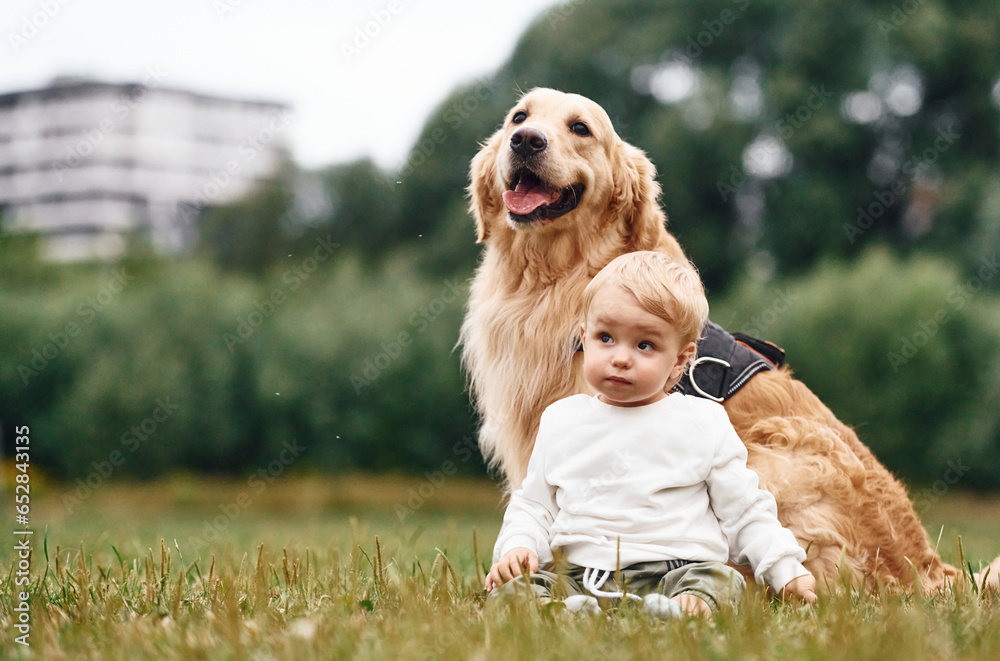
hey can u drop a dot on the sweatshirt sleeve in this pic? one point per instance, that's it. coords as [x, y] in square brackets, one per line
[532, 508]
[749, 515]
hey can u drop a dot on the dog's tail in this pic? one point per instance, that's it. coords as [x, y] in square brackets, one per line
[990, 574]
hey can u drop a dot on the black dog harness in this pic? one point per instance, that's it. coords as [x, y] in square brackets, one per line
[725, 362]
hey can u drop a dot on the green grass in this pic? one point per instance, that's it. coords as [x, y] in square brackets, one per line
[325, 569]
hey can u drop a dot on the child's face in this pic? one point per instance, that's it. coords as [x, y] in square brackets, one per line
[629, 354]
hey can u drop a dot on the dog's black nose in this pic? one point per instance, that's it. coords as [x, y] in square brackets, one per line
[528, 142]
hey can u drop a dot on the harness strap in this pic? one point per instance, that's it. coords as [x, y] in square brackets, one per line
[726, 362]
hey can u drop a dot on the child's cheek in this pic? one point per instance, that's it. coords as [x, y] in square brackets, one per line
[591, 368]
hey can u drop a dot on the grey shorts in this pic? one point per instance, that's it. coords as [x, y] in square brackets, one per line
[718, 584]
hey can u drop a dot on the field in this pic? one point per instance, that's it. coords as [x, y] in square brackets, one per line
[391, 568]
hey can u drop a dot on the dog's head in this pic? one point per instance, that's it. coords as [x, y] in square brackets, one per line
[558, 161]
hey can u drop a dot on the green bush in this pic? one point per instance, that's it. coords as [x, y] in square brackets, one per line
[364, 366]
[153, 366]
[131, 372]
[156, 367]
[906, 351]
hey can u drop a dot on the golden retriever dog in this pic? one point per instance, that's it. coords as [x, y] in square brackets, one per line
[556, 195]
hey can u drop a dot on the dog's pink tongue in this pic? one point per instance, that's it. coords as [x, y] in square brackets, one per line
[528, 196]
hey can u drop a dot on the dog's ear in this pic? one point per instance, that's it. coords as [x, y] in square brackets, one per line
[636, 198]
[486, 201]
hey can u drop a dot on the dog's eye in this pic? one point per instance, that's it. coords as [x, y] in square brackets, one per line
[579, 128]
[519, 117]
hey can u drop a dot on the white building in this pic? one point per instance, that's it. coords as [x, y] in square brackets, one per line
[93, 166]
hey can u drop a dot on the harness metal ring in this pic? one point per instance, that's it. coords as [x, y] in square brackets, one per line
[699, 361]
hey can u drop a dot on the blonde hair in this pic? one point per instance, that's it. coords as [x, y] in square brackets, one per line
[662, 286]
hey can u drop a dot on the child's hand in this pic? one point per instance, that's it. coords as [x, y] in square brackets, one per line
[803, 587]
[509, 566]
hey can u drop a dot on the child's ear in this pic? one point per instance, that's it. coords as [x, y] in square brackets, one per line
[583, 333]
[684, 359]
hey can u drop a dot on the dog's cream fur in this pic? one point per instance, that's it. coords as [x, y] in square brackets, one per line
[854, 518]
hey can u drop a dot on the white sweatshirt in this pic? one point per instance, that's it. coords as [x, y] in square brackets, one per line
[669, 480]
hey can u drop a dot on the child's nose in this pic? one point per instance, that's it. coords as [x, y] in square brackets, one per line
[621, 357]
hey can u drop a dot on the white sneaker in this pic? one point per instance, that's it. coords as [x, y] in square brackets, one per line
[582, 603]
[662, 607]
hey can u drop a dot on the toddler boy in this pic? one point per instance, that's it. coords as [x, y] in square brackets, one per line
[639, 488]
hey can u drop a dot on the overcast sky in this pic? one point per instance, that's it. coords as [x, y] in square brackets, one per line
[350, 97]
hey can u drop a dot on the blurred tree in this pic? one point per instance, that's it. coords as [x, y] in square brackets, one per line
[20, 260]
[434, 176]
[246, 236]
[361, 208]
[353, 204]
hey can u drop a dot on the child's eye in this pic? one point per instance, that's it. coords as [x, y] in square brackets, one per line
[645, 346]
[604, 337]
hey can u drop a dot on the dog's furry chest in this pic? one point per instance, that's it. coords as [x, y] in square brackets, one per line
[528, 342]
